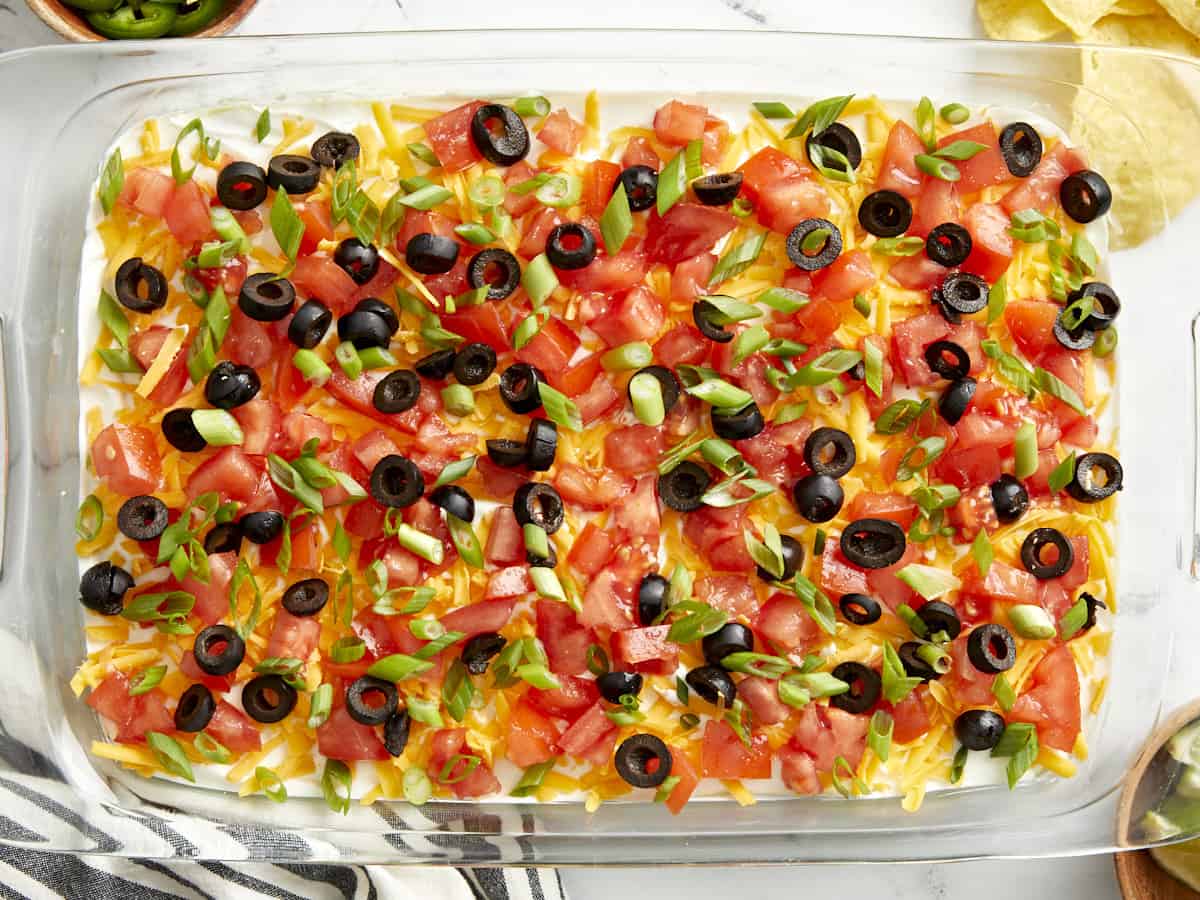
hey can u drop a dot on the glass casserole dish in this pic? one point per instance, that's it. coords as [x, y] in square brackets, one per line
[58, 154]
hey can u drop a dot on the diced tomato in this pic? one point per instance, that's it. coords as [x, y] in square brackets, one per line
[569, 701]
[560, 132]
[787, 202]
[565, 640]
[638, 152]
[511, 582]
[318, 225]
[1053, 598]
[886, 586]
[723, 755]
[936, 205]
[762, 696]
[676, 123]
[133, 715]
[498, 481]
[1031, 323]
[248, 342]
[145, 347]
[645, 650]
[403, 568]
[1051, 700]
[450, 136]
[598, 184]
[731, 593]
[551, 348]
[380, 284]
[1038, 484]
[609, 274]
[825, 733]
[359, 395]
[686, 230]
[970, 467]
[591, 737]
[478, 324]
[321, 277]
[231, 473]
[849, 274]
[918, 272]
[636, 515]
[716, 135]
[689, 279]
[341, 737]
[233, 728]
[365, 518]
[838, 576]
[683, 769]
[447, 744]
[186, 214]
[637, 315]
[592, 550]
[898, 171]
[986, 167]
[777, 460]
[890, 505]
[228, 276]
[910, 717]
[124, 458]
[532, 738]
[980, 429]
[785, 624]
[305, 552]
[298, 428]
[1067, 366]
[579, 378]
[597, 400]
[260, 420]
[965, 683]
[372, 447]
[798, 771]
[991, 244]
[608, 600]
[816, 321]
[766, 167]
[293, 637]
[212, 597]
[910, 338]
[709, 526]
[218, 684]
[147, 191]
[480, 617]
[505, 542]
[973, 511]
[1040, 189]
[583, 488]
[633, 449]
[518, 204]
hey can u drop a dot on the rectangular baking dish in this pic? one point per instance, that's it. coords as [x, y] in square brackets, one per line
[62, 108]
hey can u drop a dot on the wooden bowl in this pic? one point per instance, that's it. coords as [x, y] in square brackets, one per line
[70, 23]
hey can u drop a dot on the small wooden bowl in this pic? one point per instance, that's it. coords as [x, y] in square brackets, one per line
[70, 23]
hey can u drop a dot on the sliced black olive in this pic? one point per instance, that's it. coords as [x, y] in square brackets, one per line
[195, 709]
[229, 386]
[955, 399]
[914, 665]
[885, 214]
[683, 487]
[615, 685]
[964, 293]
[1009, 499]
[793, 556]
[1105, 304]
[506, 453]
[268, 698]
[633, 758]
[717, 190]
[396, 481]
[309, 324]
[571, 246]
[830, 451]
[266, 297]
[431, 254]
[397, 391]
[538, 503]
[363, 329]
[381, 309]
[142, 518]
[991, 648]
[667, 381]
[479, 650]
[437, 366]
[395, 732]
[641, 186]
[474, 363]
[705, 315]
[307, 597]
[1034, 545]
[979, 729]
[872, 543]
[1087, 487]
[511, 143]
[358, 260]
[1085, 196]
[102, 588]
[1021, 147]
[1081, 338]
[818, 497]
[263, 526]
[496, 268]
[737, 425]
[840, 138]
[865, 687]
[241, 186]
[948, 244]
[224, 538]
[370, 700]
[730, 638]
[652, 598]
[939, 616]
[712, 683]
[1092, 605]
[935, 358]
[139, 286]
[332, 149]
[542, 562]
[939, 302]
[829, 251]
[541, 445]
[859, 609]
[180, 431]
[218, 650]
[519, 387]
[454, 500]
[295, 174]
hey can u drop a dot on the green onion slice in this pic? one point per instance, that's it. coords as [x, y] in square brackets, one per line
[1019, 742]
[773, 109]
[427, 197]
[424, 154]
[997, 299]
[1026, 450]
[211, 749]
[937, 168]
[928, 581]
[286, 224]
[336, 782]
[90, 518]
[738, 260]
[539, 279]
[926, 126]
[418, 789]
[896, 683]
[819, 115]
[879, 734]
[559, 408]
[170, 755]
[112, 179]
[455, 470]
[532, 778]
[458, 399]
[560, 191]
[954, 113]
[529, 107]
[906, 245]
[634, 355]
[320, 705]
[959, 150]
[1061, 475]
[616, 223]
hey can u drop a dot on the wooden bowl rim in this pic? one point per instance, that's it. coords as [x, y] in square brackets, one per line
[68, 23]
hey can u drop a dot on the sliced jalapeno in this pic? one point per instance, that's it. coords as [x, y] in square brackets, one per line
[193, 16]
[154, 21]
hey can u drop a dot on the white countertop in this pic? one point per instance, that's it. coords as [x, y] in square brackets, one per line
[1089, 877]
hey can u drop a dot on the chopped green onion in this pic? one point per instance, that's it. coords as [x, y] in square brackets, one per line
[465, 541]
[926, 126]
[729, 309]
[559, 408]
[750, 341]
[906, 245]
[698, 620]
[426, 546]
[211, 749]
[528, 107]
[537, 674]
[918, 457]
[928, 581]
[560, 191]
[785, 300]
[1031, 621]
[896, 683]
[426, 629]
[935, 496]
[818, 605]
[634, 355]
[112, 179]
[672, 183]
[177, 171]
[532, 778]
[427, 197]
[530, 184]
[1020, 743]
[914, 622]
[347, 650]
[311, 367]
[879, 735]
[784, 348]
[376, 358]
[270, 784]
[723, 455]
[616, 224]
[279, 665]
[424, 154]
[319, 705]
[1061, 475]
[457, 690]
[1009, 367]
[546, 583]
[536, 541]
[539, 279]
[959, 150]
[218, 427]
[1030, 226]
[720, 394]
[1083, 254]
[286, 225]
[216, 253]
[832, 164]
[424, 711]
[262, 126]
[170, 754]
[336, 782]
[229, 230]
[957, 765]
[458, 400]
[119, 361]
[937, 168]
[997, 299]
[597, 660]
[418, 789]
[1005, 696]
[113, 318]
[455, 470]
[678, 454]
[773, 109]
[487, 192]
[1026, 450]
[826, 367]
[287, 477]
[819, 115]
[90, 518]
[791, 413]
[862, 306]
[1049, 383]
[819, 538]
[721, 496]
[147, 680]
[436, 646]
[398, 666]
[688, 721]
[762, 664]
[348, 358]
[474, 233]
[1073, 619]
[935, 657]
[899, 416]
[873, 368]
[954, 113]
[680, 587]
[737, 260]
[1106, 342]
[646, 396]
[693, 159]
[528, 327]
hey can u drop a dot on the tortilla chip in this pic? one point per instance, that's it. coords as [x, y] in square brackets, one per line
[1135, 8]
[1161, 132]
[1018, 20]
[1185, 12]
[1079, 15]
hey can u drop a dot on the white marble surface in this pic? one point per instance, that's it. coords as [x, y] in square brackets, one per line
[1090, 878]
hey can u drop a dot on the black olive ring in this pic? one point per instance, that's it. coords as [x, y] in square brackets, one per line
[632, 760]
[309, 324]
[948, 244]
[334, 148]
[307, 597]
[718, 190]
[1085, 196]
[431, 254]
[495, 268]
[865, 687]
[241, 186]
[991, 648]
[1105, 304]
[704, 315]
[397, 391]
[818, 498]
[840, 138]
[1079, 338]
[571, 246]
[263, 526]
[505, 453]
[1031, 553]
[396, 481]
[266, 297]
[479, 650]
[437, 366]
[885, 214]
[371, 713]
[830, 451]
[103, 587]
[939, 616]
[641, 187]
[963, 293]
[652, 598]
[668, 383]
[395, 732]
[538, 503]
[955, 399]
[142, 518]
[859, 609]
[268, 698]
[873, 543]
[737, 425]
[830, 251]
[682, 488]
[732, 637]
[295, 174]
[615, 685]
[223, 661]
[474, 363]
[132, 277]
[195, 709]
[712, 683]
[511, 145]
[541, 445]
[1021, 147]
[358, 260]
[935, 358]
[1083, 486]
[224, 538]
[519, 387]
[455, 500]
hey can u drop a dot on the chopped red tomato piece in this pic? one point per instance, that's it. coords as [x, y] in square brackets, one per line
[636, 515]
[798, 771]
[838, 576]
[597, 400]
[609, 599]
[497, 480]
[598, 184]
[124, 457]
[969, 467]
[145, 347]
[723, 755]
[135, 715]
[848, 275]
[897, 507]
[638, 152]
[645, 650]
[511, 582]
[231, 473]
[560, 132]
[592, 550]
[685, 770]
[146, 191]
[918, 272]
[966, 684]
[985, 168]
[1040, 189]
[583, 488]
[532, 738]
[991, 244]
[591, 737]
[293, 637]
[785, 624]
[731, 593]
[637, 315]
[450, 136]
[633, 449]
[762, 696]
[212, 596]
[571, 699]
[186, 214]
[1051, 700]
[686, 230]
[898, 171]
[936, 205]
[689, 279]
[233, 728]
[260, 420]
[505, 542]
[676, 123]
[565, 640]
[825, 733]
[911, 717]
[480, 617]
[321, 277]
